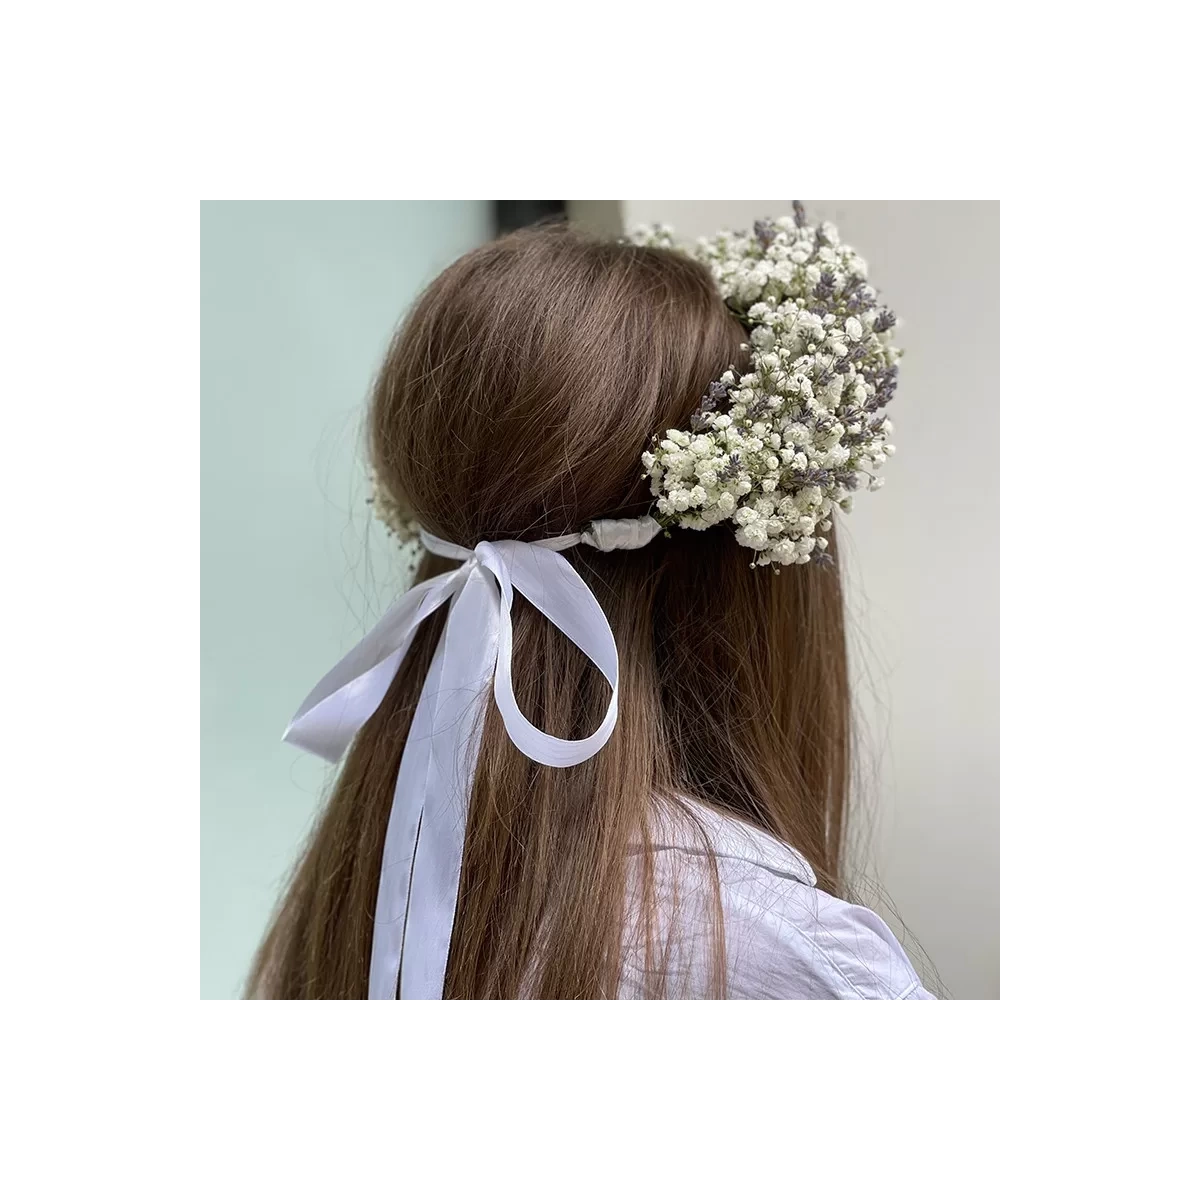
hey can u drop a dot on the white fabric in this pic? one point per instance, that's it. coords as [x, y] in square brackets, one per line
[625, 533]
[422, 855]
[784, 938]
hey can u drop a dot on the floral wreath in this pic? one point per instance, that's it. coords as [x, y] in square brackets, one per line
[773, 449]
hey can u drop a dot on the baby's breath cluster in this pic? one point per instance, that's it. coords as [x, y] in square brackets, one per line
[773, 450]
[395, 516]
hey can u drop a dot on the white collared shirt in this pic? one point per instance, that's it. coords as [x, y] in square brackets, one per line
[785, 939]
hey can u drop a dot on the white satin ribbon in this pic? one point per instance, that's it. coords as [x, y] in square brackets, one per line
[422, 854]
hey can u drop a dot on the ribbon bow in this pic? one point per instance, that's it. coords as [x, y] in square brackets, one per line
[423, 849]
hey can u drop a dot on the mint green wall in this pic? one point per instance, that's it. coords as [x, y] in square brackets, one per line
[298, 300]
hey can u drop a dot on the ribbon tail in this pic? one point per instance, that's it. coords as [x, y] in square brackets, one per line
[403, 832]
[391, 903]
[342, 703]
[449, 759]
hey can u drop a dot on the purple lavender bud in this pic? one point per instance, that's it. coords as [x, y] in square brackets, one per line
[885, 320]
[885, 390]
[731, 469]
[716, 393]
[764, 233]
[814, 477]
[856, 300]
[798, 210]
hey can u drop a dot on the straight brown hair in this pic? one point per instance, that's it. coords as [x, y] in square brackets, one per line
[515, 402]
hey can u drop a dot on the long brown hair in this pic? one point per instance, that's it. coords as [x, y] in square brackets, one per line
[515, 402]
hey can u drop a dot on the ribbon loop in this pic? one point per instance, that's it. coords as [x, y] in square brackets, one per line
[423, 847]
[552, 586]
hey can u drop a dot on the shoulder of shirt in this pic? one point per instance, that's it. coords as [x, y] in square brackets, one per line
[786, 937]
[689, 827]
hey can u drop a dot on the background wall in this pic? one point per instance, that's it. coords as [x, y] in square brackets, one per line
[923, 560]
[298, 301]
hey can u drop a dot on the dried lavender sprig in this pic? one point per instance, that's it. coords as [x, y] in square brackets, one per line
[810, 477]
[714, 396]
[731, 469]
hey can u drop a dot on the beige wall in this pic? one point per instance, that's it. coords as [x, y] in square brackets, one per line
[922, 565]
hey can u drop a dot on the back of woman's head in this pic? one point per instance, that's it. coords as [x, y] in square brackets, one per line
[515, 402]
[517, 399]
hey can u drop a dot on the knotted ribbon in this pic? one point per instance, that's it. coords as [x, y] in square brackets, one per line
[423, 848]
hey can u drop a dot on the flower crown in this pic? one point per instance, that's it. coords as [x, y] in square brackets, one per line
[773, 449]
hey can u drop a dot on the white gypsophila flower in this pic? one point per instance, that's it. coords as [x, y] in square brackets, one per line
[394, 515]
[774, 449]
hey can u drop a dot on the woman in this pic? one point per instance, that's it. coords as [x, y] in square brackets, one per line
[678, 834]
